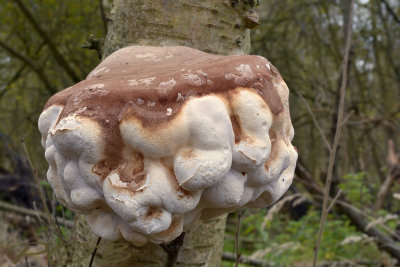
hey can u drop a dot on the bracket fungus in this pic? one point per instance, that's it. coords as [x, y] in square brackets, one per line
[157, 136]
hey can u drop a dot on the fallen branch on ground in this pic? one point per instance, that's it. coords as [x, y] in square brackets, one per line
[356, 216]
[33, 213]
[245, 260]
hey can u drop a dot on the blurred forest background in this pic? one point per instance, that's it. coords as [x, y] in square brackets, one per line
[41, 52]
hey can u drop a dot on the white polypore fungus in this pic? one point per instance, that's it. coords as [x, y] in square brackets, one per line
[142, 157]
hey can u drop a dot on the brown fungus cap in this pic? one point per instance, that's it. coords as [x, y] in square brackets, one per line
[156, 77]
[156, 136]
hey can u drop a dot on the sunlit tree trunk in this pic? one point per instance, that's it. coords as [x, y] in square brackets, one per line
[214, 26]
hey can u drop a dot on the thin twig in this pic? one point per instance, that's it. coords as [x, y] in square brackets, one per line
[52, 223]
[172, 249]
[36, 68]
[94, 252]
[42, 193]
[390, 10]
[337, 134]
[333, 201]
[15, 77]
[43, 220]
[37, 180]
[347, 118]
[53, 48]
[237, 252]
[315, 122]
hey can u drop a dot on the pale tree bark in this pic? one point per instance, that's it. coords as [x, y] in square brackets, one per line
[214, 26]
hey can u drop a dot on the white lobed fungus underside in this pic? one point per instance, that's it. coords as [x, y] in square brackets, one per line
[191, 167]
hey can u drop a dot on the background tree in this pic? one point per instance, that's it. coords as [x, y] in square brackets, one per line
[312, 67]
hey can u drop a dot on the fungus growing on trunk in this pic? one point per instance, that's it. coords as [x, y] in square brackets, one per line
[157, 136]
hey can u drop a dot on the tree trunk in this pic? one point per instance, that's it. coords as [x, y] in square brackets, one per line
[214, 26]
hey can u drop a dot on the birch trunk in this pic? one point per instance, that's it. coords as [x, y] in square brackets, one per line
[214, 26]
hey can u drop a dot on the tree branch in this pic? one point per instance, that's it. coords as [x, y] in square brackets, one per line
[15, 77]
[57, 55]
[336, 139]
[32, 65]
[239, 214]
[226, 256]
[103, 16]
[390, 10]
[357, 217]
[95, 44]
[32, 213]
[245, 260]
[321, 132]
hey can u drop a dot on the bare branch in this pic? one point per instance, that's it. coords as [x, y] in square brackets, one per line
[226, 256]
[57, 55]
[37, 69]
[239, 214]
[94, 251]
[339, 125]
[32, 213]
[358, 219]
[390, 10]
[356, 216]
[42, 194]
[103, 16]
[347, 118]
[15, 77]
[245, 260]
[316, 122]
[334, 201]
